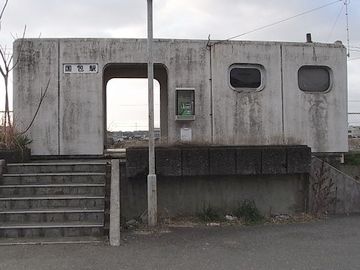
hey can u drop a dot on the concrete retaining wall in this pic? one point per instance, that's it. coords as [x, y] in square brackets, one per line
[191, 178]
[220, 160]
[346, 190]
[351, 170]
[189, 195]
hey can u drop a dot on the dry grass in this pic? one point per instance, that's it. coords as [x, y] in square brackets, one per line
[10, 138]
[297, 218]
[165, 224]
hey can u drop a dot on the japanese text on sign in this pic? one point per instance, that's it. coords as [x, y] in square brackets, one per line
[81, 68]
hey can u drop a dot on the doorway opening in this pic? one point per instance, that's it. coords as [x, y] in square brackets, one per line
[126, 105]
[127, 112]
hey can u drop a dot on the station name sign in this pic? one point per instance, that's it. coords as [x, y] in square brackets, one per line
[81, 68]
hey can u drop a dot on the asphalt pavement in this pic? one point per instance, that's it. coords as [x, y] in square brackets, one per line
[328, 244]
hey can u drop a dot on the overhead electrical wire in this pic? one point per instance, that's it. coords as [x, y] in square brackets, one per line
[283, 20]
[354, 50]
[335, 23]
[351, 59]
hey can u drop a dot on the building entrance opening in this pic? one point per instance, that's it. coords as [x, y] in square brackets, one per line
[127, 112]
[126, 105]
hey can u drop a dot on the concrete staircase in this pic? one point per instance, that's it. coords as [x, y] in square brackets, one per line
[58, 199]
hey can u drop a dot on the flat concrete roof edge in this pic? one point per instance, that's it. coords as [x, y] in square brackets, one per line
[217, 42]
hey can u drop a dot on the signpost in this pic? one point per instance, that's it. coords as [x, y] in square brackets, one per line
[151, 179]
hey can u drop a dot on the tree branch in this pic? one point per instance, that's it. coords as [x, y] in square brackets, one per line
[42, 96]
[20, 50]
[2, 54]
[2, 72]
[3, 10]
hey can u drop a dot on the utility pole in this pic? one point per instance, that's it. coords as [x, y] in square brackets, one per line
[346, 3]
[151, 178]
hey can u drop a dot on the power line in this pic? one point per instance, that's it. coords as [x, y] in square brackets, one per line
[335, 23]
[281, 21]
[351, 59]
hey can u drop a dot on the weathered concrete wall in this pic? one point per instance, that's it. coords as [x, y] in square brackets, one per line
[78, 128]
[191, 178]
[219, 160]
[71, 119]
[317, 119]
[351, 170]
[38, 63]
[345, 191]
[189, 195]
[252, 118]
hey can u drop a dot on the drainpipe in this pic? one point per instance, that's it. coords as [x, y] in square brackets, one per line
[209, 47]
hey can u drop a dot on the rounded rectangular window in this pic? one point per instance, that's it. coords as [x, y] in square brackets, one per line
[314, 78]
[245, 77]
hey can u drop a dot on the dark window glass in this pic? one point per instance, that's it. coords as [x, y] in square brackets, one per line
[314, 78]
[245, 77]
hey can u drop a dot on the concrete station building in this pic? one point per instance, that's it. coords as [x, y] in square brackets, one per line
[250, 114]
[218, 93]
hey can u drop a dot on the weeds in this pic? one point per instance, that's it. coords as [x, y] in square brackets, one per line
[11, 139]
[248, 212]
[352, 159]
[208, 214]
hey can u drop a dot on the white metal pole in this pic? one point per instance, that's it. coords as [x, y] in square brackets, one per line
[151, 179]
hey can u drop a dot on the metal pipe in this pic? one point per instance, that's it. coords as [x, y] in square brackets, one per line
[308, 38]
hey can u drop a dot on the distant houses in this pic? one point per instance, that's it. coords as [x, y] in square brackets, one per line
[115, 137]
[354, 132]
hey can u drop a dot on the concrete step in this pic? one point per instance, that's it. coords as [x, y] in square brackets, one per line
[45, 167]
[53, 178]
[51, 189]
[93, 240]
[68, 229]
[49, 215]
[56, 201]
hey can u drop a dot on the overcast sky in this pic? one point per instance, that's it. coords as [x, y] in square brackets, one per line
[188, 19]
